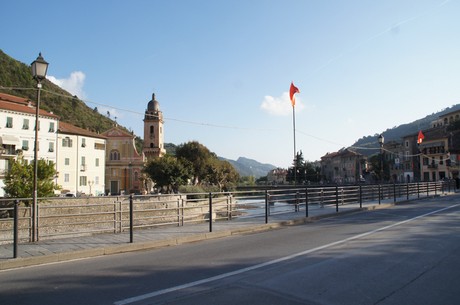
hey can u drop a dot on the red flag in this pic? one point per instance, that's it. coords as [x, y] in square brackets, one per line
[420, 137]
[293, 90]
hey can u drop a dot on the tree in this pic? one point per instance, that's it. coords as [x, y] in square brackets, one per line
[221, 173]
[199, 156]
[305, 171]
[19, 180]
[169, 172]
[375, 162]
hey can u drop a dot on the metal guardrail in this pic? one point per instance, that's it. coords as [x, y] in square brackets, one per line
[62, 217]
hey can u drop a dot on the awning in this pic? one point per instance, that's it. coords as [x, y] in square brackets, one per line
[9, 140]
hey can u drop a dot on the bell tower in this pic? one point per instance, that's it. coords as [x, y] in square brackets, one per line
[153, 130]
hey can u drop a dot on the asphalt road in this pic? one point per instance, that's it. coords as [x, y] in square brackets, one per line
[407, 254]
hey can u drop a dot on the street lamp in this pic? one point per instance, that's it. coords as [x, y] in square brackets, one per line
[381, 141]
[39, 69]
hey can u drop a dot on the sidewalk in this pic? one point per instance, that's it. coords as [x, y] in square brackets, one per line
[63, 249]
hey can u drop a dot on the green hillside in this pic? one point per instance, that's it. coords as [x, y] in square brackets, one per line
[70, 109]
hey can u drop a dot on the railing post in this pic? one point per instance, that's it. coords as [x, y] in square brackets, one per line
[427, 189]
[306, 202]
[210, 212]
[16, 229]
[266, 205]
[297, 201]
[337, 198]
[360, 196]
[435, 188]
[182, 210]
[229, 206]
[379, 194]
[322, 198]
[178, 210]
[394, 192]
[131, 220]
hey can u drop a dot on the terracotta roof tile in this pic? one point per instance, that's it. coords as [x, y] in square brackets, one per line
[74, 130]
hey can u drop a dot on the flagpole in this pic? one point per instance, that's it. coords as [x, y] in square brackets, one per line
[293, 90]
[295, 156]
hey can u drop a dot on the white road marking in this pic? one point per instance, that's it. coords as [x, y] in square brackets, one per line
[272, 262]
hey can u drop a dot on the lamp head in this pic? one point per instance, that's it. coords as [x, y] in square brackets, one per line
[39, 68]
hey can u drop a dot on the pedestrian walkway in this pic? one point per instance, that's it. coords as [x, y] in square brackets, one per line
[63, 249]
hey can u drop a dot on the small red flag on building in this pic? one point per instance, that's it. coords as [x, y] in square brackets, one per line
[420, 137]
[293, 90]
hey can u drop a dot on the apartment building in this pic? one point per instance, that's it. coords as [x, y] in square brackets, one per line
[17, 133]
[80, 161]
[344, 166]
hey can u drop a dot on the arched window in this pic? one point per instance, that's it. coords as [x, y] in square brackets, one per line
[151, 129]
[114, 155]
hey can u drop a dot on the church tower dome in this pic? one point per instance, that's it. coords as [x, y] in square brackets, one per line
[153, 105]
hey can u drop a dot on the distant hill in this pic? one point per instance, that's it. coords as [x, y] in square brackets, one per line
[249, 167]
[397, 133]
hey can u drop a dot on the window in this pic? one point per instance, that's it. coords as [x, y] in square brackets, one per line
[9, 122]
[97, 162]
[96, 180]
[66, 177]
[66, 142]
[83, 180]
[83, 142]
[99, 146]
[83, 164]
[151, 129]
[25, 145]
[67, 161]
[25, 124]
[51, 127]
[114, 155]
[51, 147]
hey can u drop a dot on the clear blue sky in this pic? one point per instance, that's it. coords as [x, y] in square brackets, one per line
[221, 70]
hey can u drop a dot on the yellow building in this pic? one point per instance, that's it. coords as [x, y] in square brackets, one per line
[124, 164]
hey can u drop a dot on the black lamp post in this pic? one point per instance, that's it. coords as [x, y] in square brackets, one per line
[39, 69]
[381, 141]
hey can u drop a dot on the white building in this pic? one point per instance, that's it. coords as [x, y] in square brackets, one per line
[81, 161]
[17, 132]
[79, 155]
